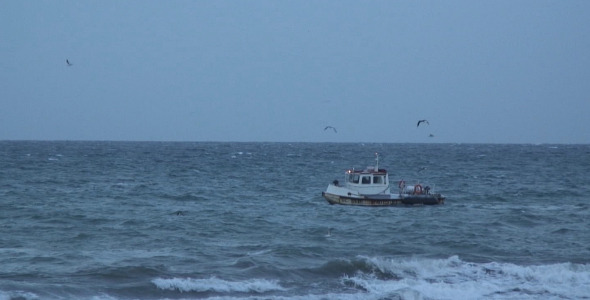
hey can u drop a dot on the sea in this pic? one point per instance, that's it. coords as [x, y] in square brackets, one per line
[222, 220]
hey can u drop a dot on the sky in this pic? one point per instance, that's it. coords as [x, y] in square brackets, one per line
[281, 71]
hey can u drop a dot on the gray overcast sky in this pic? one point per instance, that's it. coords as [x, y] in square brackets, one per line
[479, 71]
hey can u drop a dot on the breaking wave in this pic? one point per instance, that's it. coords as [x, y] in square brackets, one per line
[453, 278]
[214, 284]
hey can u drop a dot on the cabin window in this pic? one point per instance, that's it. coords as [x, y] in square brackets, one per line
[377, 179]
[366, 180]
[354, 178]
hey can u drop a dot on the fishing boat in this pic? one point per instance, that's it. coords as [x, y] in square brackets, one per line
[371, 187]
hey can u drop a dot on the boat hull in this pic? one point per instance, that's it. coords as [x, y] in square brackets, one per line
[384, 200]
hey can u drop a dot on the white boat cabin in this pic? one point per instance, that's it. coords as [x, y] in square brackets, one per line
[368, 182]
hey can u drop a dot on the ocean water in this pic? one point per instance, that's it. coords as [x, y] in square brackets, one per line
[148, 220]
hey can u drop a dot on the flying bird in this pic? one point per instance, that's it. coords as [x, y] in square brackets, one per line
[328, 127]
[68, 62]
[431, 135]
[422, 121]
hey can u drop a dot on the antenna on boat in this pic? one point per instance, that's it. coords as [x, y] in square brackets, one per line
[377, 164]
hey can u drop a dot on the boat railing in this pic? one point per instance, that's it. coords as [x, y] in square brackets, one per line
[415, 189]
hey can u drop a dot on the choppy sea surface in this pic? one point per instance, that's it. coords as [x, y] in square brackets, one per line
[149, 220]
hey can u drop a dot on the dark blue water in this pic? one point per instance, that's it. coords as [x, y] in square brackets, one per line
[140, 220]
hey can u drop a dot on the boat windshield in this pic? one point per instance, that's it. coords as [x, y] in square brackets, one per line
[354, 178]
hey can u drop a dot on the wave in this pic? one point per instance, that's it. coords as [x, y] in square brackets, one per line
[369, 278]
[453, 278]
[214, 284]
[17, 295]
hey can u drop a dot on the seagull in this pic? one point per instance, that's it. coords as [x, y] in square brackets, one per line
[422, 121]
[68, 62]
[327, 127]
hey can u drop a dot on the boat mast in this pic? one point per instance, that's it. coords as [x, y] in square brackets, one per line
[377, 164]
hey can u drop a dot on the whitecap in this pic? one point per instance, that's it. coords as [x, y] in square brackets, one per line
[17, 295]
[259, 252]
[217, 285]
[453, 278]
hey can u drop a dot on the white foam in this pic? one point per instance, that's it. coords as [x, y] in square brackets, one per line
[454, 279]
[329, 296]
[259, 252]
[217, 285]
[18, 295]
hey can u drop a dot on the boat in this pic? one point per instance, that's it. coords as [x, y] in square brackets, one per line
[371, 187]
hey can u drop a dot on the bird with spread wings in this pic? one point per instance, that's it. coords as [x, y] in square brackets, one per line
[422, 121]
[330, 127]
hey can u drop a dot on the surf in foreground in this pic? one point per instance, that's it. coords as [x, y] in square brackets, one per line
[358, 278]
